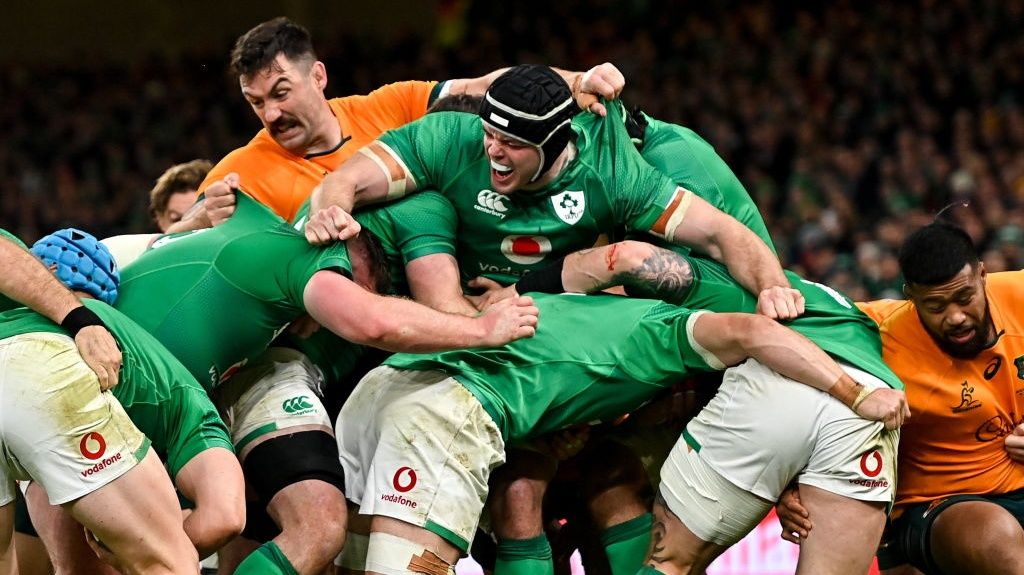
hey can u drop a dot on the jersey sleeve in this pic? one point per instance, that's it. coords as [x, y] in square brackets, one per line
[430, 151]
[332, 257]
[424, 225]
[666, 333]
[640, 194]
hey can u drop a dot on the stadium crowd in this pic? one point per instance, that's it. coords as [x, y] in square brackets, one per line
[848, 124]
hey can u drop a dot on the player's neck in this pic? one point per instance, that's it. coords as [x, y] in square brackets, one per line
[556, 168]
[329, 137]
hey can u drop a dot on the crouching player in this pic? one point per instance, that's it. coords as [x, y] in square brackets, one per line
[60, 420]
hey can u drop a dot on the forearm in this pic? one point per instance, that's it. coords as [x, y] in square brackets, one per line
[399, 325]
[388, 323]
[796, 357]
[333, 191]
[751, 262]
[27, 281]
[647, 270]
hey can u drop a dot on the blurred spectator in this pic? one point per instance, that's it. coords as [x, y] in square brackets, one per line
[848, 122]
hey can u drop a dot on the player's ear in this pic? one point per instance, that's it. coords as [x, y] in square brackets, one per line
[319, 72]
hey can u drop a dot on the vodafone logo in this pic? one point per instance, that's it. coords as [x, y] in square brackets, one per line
[525, 250]
[401, 486]
[92, 446]
[871, 463]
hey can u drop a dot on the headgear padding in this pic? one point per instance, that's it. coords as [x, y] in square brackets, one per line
[80, 262]
[533, 104]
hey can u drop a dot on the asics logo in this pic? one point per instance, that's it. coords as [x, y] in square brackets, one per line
[491, 203]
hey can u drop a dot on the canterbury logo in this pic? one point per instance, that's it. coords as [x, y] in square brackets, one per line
[296, 404]
[491, 202]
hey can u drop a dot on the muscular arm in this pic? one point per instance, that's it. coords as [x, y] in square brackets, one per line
[27, 281]
[395, 324]
[715, 233]
[359, 181]
[694, 222]
[647, 270]
[434, 282]
[733, 337]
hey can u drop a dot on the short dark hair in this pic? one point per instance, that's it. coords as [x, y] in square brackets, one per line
[256, 49]
[935, 253]
[178, 178]
[457, 103]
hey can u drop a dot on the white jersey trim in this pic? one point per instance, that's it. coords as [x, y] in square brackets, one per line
[708, 357]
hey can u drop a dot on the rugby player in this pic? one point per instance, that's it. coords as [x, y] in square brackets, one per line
[529, 187]
[60, 421]
[956, 343]
[305, 135]
[593, 359]
[217, 297]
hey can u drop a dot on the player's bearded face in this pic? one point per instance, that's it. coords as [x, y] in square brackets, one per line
[956, 313]
[513, 162]
[286, 98]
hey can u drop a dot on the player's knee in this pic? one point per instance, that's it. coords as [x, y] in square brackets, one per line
[392, 555]
[516, 509]
[224, 520]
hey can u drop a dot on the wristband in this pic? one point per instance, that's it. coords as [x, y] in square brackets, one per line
[864, 393]
[80, 318]
[545, 280]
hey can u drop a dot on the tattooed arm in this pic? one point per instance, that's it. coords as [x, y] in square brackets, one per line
[643, 269]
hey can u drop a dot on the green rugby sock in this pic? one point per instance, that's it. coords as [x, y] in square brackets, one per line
[524, 557]
[626, 544]
[268, 559]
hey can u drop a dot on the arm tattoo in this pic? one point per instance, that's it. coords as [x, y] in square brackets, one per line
[664, 275]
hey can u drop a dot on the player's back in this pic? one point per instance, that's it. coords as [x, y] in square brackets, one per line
[217, 297]
[592, 358]
[831, 321]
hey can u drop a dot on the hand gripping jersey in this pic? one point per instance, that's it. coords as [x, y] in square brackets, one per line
[963, 409]
[420, 225]
[281, 180]
[162, 399]
[605, 188]
[217, 297]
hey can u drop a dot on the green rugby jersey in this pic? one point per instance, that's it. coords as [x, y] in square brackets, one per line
[7, 303]
[217, 297]
[606, 187]
[160, 396]
[593, 358]
[410, 228]
[831, 321]
[692, 163]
